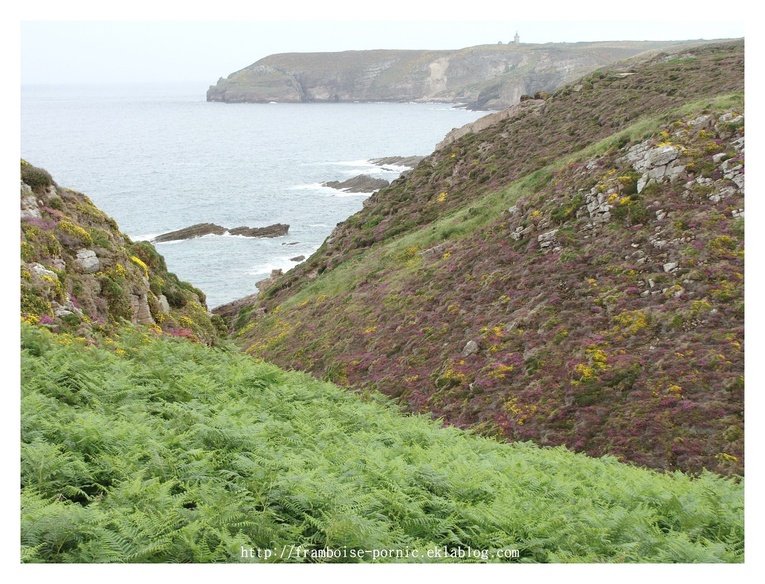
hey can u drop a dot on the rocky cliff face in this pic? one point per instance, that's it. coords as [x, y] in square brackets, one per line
[80, 274]
[484, 77]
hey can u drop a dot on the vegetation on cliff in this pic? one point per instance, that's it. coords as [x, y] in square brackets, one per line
[80, 274]
[572, 275]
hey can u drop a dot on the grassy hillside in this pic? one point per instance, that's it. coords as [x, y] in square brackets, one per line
[572, 275]
[140, 447]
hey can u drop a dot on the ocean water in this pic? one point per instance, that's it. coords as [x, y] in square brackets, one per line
[159, 158]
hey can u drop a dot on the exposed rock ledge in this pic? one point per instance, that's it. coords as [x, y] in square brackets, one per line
[408, 161]
[362, 183]
[201, 229]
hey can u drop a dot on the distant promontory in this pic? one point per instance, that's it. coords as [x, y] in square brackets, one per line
[485, 77]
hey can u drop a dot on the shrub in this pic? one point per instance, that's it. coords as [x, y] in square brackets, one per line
[73, 235]
[37, 178]
[630, 210]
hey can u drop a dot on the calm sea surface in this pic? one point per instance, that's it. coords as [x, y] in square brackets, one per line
[159, 157]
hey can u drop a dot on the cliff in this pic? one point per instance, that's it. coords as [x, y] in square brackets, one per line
[80, 274]
[483, 77]
[571, 274]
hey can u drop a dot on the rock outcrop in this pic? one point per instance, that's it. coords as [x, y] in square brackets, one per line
[202, 229]
[80, 275]
[362, 183]
[407, 161]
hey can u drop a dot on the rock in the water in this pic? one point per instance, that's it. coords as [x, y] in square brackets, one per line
[198, 230]
[201, 229]
[277, 230]
[358, 184]
[408, 161]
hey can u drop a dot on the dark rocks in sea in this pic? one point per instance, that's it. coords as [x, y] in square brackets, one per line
[362, 183]
[408, 161]
[202, 229]
[276, 230]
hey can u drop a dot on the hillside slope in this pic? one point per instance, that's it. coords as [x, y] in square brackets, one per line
[80, 274]
[572, 274]
[140, 447]
[483, 77]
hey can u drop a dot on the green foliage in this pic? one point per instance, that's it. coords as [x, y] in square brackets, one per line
[36, 178]
[631, 210]
[568, 210]
[150, 449]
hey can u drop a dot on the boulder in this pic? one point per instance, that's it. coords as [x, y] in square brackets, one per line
[87, 261]
[471, 347]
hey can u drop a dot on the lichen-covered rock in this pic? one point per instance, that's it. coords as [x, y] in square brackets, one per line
[87, 261]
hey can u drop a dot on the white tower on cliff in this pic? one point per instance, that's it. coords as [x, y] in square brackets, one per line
[516, 38]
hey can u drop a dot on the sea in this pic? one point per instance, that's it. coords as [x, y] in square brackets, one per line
[159, 157]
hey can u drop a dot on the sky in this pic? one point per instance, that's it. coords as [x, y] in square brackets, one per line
[162, 42]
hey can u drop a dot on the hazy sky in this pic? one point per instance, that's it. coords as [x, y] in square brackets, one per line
[60, 43]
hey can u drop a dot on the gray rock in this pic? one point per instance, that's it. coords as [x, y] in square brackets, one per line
[362, 183]
[164, 305]
[670, 266]
[407, 161]
[198, 230]
[702, 122]
[202, 229]
[662, 156]
[140, 308]
[87, 261]
[470, 348]
[276, 230]
[547, 239]
[41, 270]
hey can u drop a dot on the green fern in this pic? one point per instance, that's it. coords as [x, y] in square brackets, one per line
[159, 450]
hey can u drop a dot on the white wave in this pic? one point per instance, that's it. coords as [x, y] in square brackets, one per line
[171, 242]
[310, 187]
[363, 163]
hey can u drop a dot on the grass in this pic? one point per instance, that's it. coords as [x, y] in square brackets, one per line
[151, 449]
